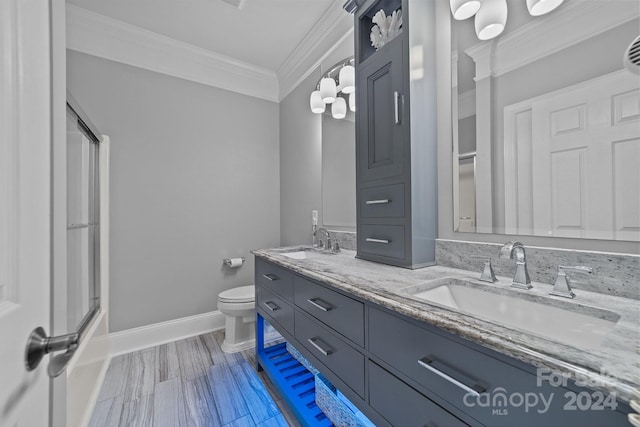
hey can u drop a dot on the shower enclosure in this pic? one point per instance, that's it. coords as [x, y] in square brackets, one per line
[83, 219]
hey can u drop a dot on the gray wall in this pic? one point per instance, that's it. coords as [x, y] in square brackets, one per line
[300, 164]
[194, 179]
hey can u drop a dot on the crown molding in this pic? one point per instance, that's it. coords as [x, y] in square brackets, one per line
[95, 34]
[327, 34]
[549, 34]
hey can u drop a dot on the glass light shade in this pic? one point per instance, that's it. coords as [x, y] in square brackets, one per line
[352, 101]
[463, 9]
[347, 78]
[328, 90]
[339, 108]
[317, 106]
[491, 19]
[540, 7]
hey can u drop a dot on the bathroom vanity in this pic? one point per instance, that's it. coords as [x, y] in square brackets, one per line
[405, 357]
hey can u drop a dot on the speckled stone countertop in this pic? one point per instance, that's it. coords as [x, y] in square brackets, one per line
[613, 366]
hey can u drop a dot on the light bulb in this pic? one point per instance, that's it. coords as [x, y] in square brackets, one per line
[328, 90]
[339, 108]
[540, 7]
[491, 19]
[317, 106]
[352, 101]
[347, 78]
[463, 9]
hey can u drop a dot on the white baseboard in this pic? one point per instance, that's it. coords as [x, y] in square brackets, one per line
[161, 333]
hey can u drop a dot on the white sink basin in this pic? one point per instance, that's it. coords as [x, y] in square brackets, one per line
[296, 255]
[562, 325]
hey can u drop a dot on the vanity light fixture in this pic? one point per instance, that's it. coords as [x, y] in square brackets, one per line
[463, 9]
[334, 88]
[540, 7]
[491, 15]
[339, 108]
[491, 19]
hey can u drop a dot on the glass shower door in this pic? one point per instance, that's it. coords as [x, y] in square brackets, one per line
[83, 223]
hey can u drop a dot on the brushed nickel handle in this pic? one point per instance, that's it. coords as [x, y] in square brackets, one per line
[474, 390]
[372, 240]
[39, 344]
[377, 202]
[272, 306]
[319, 304]
[271, 277]
[318, 347]
[396, 107]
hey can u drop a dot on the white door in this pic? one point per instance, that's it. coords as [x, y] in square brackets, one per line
[25, 206]
[571, 161]
[586, 146]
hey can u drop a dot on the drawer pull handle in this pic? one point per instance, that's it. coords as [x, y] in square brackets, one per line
[271, 277]
[396, 107]
[272, 306]
[377, 202]
[319, 304]
[372, 240]
[474, 390]
[326, 351]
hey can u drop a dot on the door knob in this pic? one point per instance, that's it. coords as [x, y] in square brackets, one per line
[39, 344]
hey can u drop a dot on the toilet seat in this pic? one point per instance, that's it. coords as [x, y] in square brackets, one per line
[238, 295]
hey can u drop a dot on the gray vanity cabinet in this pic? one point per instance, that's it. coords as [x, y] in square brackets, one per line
[403, 372]
[396, 224]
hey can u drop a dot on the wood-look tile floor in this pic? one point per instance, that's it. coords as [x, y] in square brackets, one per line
[191, 382]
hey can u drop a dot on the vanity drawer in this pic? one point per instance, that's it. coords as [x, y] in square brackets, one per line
[437, 363]
[275, 308]
[338, 356]
[345, 315]
[386, 201]
[382, 240]
[401, 405]
[275, 278]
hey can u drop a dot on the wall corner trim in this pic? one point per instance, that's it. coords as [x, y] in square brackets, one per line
[142, 337]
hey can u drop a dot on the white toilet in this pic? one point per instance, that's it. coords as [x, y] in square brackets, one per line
[238, 305]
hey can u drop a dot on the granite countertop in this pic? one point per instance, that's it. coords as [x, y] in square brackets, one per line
[613, 366]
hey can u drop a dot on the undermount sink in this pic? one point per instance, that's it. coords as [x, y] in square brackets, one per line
[537, 317]
[296, 255]
[303, 253]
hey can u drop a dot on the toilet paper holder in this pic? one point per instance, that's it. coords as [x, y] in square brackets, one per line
[233, 262]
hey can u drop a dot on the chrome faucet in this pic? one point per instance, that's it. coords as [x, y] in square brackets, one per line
[562, 288]
[515, 250]
[327, 234]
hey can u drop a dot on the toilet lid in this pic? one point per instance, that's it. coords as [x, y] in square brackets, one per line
[241, 294]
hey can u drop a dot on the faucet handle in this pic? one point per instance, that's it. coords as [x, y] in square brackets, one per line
[487, 273]
[561, 287]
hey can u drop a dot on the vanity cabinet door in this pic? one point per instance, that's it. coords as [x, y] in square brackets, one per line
[380, 131]
[401, 405]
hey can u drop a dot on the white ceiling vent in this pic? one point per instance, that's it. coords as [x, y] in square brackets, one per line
[235, 3]
[632, 56]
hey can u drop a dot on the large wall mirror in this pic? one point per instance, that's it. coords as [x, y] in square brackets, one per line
[339, 172]
[546, 127]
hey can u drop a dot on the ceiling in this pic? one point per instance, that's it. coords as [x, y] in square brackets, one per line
[263, 33]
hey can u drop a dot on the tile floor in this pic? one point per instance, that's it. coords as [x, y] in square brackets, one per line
[191, 382]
